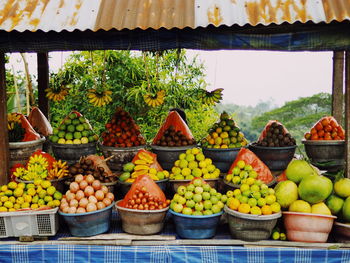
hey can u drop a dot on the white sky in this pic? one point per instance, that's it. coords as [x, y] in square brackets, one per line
[247, 77]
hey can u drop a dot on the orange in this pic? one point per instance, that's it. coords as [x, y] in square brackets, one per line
[244, 208]
[214, 135]
[234, 204]
[266, 210]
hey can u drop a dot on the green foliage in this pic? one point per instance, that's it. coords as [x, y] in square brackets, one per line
[130, 75]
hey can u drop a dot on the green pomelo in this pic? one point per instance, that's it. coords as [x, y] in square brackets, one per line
[315, 189]
[335, 204]
[286, 193]
[342, 187]
[346, 210]
[299, 169]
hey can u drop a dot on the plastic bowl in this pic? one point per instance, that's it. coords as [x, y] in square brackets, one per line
[341, 232]
[90, 223]
[307, 227]
[222, 158]
[276, 158]
[196, 227]
[166, 156]
[141, 222]
[326, 155]
[250, 227]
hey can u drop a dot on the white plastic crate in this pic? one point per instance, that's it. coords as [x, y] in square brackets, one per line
[29, 223]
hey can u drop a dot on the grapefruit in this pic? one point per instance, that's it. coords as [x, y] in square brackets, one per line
[315, 189]
[335, 204]
[320, 208]
[342, 187]
[299, 169]
[286, 193]
[300, 206]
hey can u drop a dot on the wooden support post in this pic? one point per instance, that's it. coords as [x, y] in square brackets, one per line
[43, 82]
[4, 141]
[337, 87]
[347, 112]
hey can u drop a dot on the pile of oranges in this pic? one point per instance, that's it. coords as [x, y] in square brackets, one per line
[326, 128]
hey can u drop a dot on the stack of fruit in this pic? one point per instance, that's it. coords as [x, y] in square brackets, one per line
[85, 194]
[74, 129]
[306, 190]
[276, 137]
[327, 128]
[253, 197]
[85, 166]
[122, 131]
[193, 164]
[144, 163]
[240, 173]
[198, 199]
[173, 138]
[224, 134]
[42, 166]
[15, 196]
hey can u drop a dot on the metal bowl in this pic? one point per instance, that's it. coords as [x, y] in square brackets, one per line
[141, 222]
[276, 158]
[222, 158]
[167, 156]
[326, 155]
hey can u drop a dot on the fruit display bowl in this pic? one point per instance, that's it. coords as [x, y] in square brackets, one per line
[307, 227]
[141, 222]
[71, 153]
[121, 155]
[21, 151]
[250, 227]
[196, 227]
[222, 158]
[341, 232]
[166, 156]
[124, 187]
[59, 184]
[275, 158]
[326, 155]
[174, 184]
[90, 223]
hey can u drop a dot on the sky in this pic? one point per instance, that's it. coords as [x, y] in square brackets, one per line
[247, 77]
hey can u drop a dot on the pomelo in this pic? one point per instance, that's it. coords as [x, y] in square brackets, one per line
[335, 204]
[286, 193]
[315, 189]
[346, 210]
[300, 206]
[342, 187]
[320, 208]
[299, 169]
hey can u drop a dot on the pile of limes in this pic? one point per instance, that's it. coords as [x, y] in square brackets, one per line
[193, 164]
[241, 173]
[224, 134]
[73, 130]
[40, 193]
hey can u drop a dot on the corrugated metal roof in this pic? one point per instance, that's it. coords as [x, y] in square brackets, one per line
[58, 15]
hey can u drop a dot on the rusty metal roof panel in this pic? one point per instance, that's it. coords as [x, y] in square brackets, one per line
[59, 15]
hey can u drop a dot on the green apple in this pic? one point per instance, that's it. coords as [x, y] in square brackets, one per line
[214, 200]
[223, 199]
[207, 212]
[207, 205]
[187, 211]
[181, 190]
[197, 182]
[190, 188]
[182, 200]
[198, 190]
[199, 207]
[197, 198]
[197, 213]
[215, 209]
[190, 203]
[213, 191]
[188, 195]
[206, 187]
[206, 196]
[178, 208]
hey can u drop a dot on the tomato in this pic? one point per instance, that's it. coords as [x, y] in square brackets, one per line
[325, 122]
[328, 128]
[319, 126]
[314, 136]
[320, 133]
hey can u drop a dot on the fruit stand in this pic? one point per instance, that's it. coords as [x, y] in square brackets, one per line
[204, 27]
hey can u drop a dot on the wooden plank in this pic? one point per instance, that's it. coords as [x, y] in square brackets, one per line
[338, 86]
[43, 82]
[347, 113]
[4, 142]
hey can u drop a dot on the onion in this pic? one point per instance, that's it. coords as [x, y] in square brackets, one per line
[66, 209]
[79, 195]
[99, 195]
[107, 201]
[70, 196]
[83, 184]
[100, 205]
[91, 207]
[81, 210]
[67, 192]
[96, 184]
[89, 191]
[72, 210]
[89, 178]
[63, 200]
[74, 187]
[83, 202]
[104, 189]
[74, 203]
[63, 206]
[92, 199]
[79, 178]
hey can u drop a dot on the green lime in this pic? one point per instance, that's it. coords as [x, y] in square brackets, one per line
[77, 135]
[55, 131]
[71, 128]
[54, 138]
[69, 136]
[68, 121]
[91, 139]
[62, 127]
[85, 133]
[61, 134]
[79, 127]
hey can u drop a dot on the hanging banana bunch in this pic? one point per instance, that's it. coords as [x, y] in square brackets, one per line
[12, 120]
[154, 100]
[212, 97]
[99, 98]
[56, 94]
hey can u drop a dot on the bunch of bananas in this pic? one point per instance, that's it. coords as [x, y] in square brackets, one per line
[56, 94]
[99, 98]
[39, 160]
[154, 100]
[12, 119]
[212, 97]
[59, 169]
